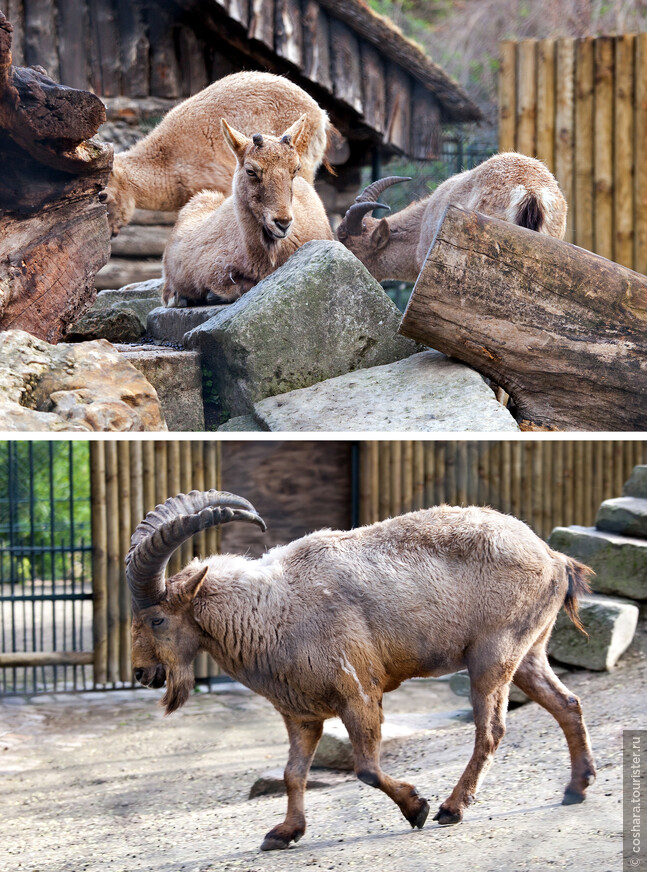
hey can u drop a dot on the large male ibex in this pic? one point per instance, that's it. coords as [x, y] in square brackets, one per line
[326, 625]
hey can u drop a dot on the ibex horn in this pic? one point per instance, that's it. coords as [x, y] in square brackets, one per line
[355, 215]
[167, 527]
[376, 189]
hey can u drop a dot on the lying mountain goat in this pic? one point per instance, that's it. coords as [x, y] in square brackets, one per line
[509, 186]
[186, 152]
[326, 625]
[223, 247]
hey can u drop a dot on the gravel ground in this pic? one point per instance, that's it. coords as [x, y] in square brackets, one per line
[104, 782]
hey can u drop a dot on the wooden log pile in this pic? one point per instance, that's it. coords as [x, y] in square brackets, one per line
[562, 330]
[54, 233]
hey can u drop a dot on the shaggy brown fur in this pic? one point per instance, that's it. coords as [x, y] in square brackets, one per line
[223, 247]
[508, 186]
[187, 153]
[326, 625]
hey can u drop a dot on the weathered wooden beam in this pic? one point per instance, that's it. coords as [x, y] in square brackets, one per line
[54, 233]
[562, 330]
[345, 65]
[374, 87]
[426, 129]
[288, 37]
[316, 44]
[135, 48]
[73, 43]
[398, 103]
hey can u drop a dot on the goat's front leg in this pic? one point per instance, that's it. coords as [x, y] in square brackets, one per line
[304, 738]
[489, 720]
[363, 725]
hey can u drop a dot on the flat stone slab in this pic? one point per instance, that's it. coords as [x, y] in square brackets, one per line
[620, 562]
[177, 378]
[272, 784]
[637, 484]
[610, 623]
[170, 325]
[318, 316]
[624, 515]
[133, 291]
[335, 750]
[426, 392]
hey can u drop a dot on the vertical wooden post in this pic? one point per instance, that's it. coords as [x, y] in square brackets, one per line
[113, 551]
[197, 482]
[99, 561]
[508, 97]
[526, 97]
[584, 142]
[640, 156]
[623, 151]
[211, 480]
[461, 472]
[603, 146]
[148, 476]
[545, 149]
[125, 530]
[564, 122]
[418, 461]
[516, 489]
[396, 478]
[187, 549]
[547, 486]
[407, 476]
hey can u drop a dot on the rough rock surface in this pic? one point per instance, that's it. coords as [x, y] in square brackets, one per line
[318, 316]
[177, 378]
[170, 325]
[272, 783]
[610, 623]
[241, 424]
[116, 323]
[637, 484]
[426, 392]
[84, 386]
[624, 515]
[620, 562]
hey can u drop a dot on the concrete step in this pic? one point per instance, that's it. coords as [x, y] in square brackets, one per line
[637, 484]
[624, 515]
[177, 378]
[170, 325]
[620, 562]
[611, 624]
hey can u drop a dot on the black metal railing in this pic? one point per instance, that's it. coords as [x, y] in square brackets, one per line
[45, 567]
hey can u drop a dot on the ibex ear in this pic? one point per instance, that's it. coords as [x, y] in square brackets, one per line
[190, 587]
[299, 134]
[381, 234]
[236, 141]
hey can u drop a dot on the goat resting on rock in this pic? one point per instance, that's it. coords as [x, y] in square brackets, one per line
[187, 153]
[326, 625]
[220, 248]
[508, 186]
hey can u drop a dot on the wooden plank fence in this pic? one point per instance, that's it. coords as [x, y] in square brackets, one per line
[128, 479]
[580, 105]
[546, 483]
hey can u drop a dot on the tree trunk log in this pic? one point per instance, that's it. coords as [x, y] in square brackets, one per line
[562, 330]
[54, 234]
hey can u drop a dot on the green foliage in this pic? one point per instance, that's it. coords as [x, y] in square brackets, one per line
[44, 502]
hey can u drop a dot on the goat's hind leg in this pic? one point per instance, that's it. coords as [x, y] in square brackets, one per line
[304, 738]
[363, 725]
[535, 677]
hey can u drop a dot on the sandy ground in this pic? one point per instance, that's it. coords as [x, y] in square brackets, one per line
[104, 782]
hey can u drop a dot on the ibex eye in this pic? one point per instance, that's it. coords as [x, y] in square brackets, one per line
[157, 621]
[251, 173]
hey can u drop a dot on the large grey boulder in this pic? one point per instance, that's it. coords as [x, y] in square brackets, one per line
[177, 378]
[241, 424]
[637, 484]
[318, 316]
[624, 515]
[170, 325]
[610, 623]
[79, 387]
[426, 392]
[620, 562]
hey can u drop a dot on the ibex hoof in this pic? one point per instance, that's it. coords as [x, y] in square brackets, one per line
[418, 818]
[274, 843]
[445, 817]
[572, 798]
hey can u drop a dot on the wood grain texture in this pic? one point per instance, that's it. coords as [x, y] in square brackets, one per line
[545, 141]
[345, 65]
[527, 97]
[562, 330]
[603, 146]
[640, 177]
[316, 44]
[564, 126]
[583, 188]
[508, 96]
[623, 151]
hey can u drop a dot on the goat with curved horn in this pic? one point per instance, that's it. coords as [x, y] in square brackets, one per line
[169, 525]
[327, 624]
[511, 187]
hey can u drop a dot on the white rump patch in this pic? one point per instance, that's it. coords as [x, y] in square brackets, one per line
[516, 196]
[349, 669]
